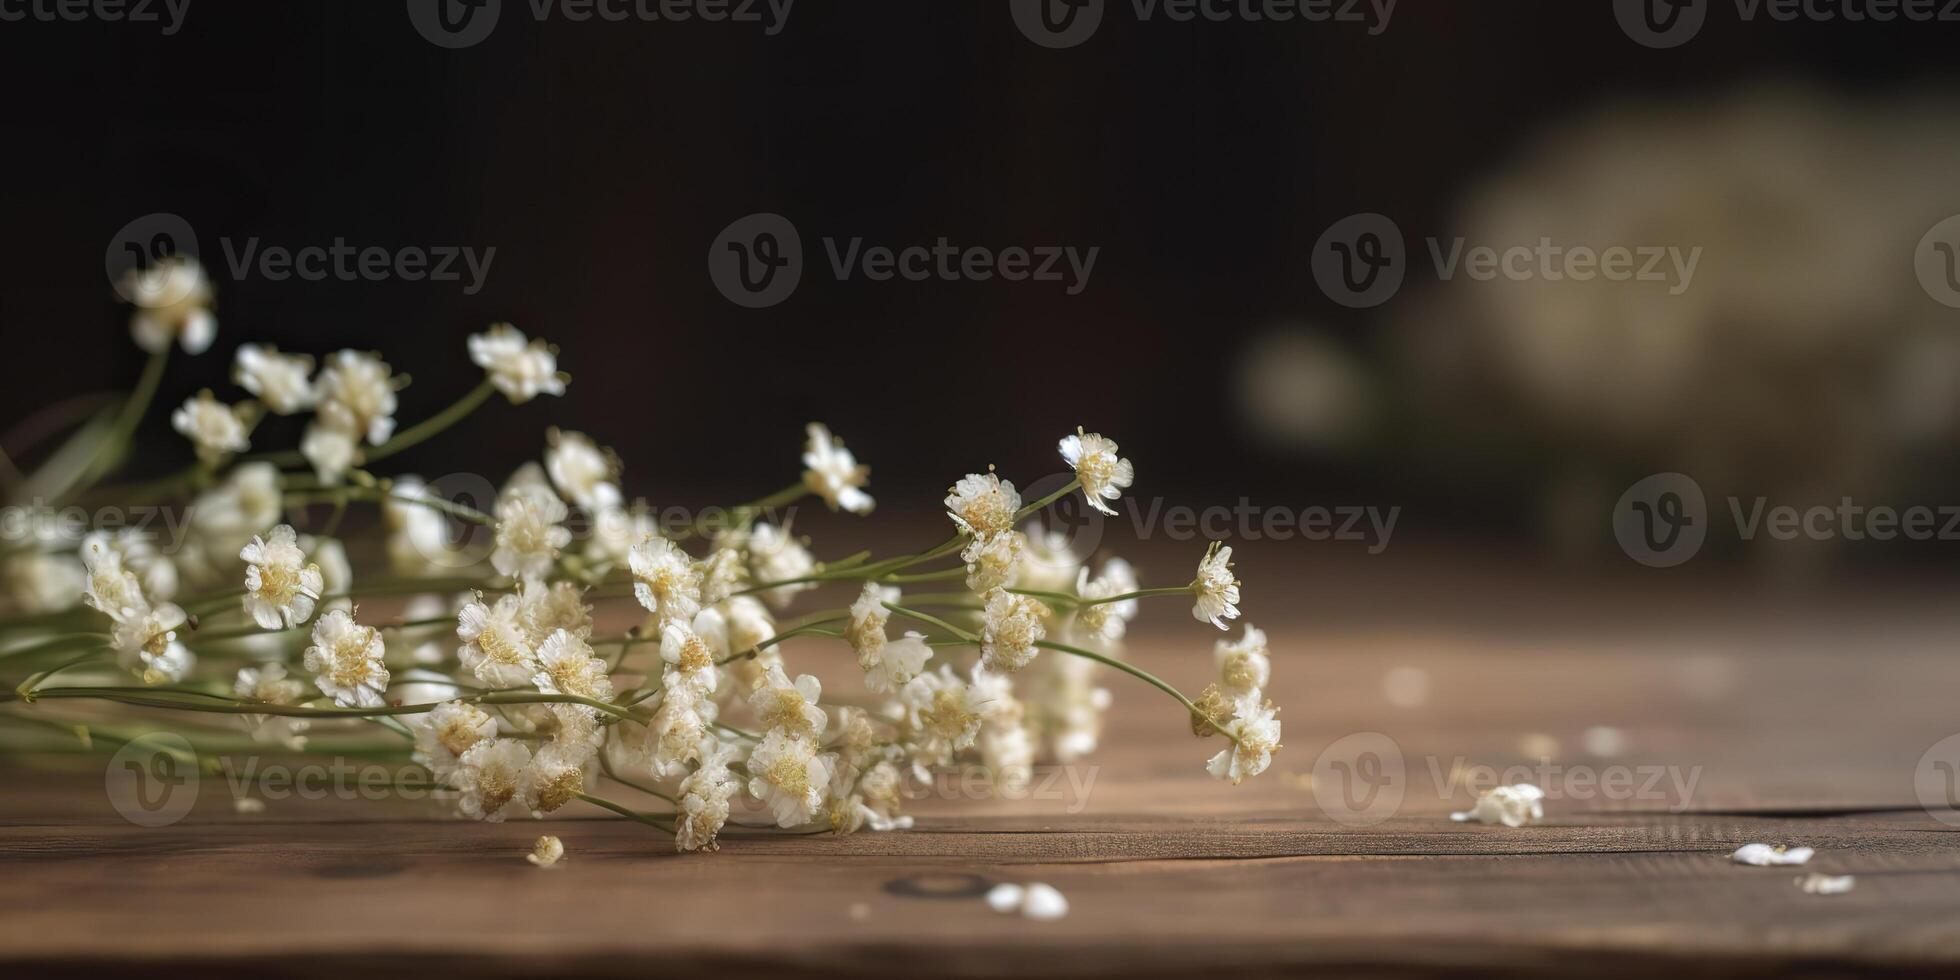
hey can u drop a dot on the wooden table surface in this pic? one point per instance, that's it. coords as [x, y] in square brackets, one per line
[1800, 720]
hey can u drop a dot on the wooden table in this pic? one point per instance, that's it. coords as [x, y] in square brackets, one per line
[1801, 715]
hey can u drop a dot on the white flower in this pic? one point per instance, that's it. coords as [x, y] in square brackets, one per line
[1009, 631]
[722, 573]
[348, 659]
[496, 644]
[1216, 587]
[146, 644]
[280, 587]
[558, 607]
[356, 394]
[777, 556]
[1107, 620]
[529, 532]
[284, 382]
[748, 625]
[38, 582]
[173, 302]
[704, 799]
[547, 852]
[1103, 475]
[993, 561]
[1765, 856]
[789, 777]
[946, 713]
[1068, 704]
[558, 774]
[1050, 563]
[521, 370]
[109, 585]
[888, 665]
[330, 451]
[791, 707]
[1256, 731]
[982, 504]
[665, 580]
[691, 657]
[418, 535]
[444, 734]
[587, 475]
[677, 730]
[1006, 897]
[491, 775]
[566, 666]
[336, 572]
[1512, 806]
[269, 684]
[215, 429]
[1243, 667]
[831, 472]
[1043, 903]
[615, 530]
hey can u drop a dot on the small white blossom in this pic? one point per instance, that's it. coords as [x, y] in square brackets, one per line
[109, 585]
[560, 606]
[1043, 903]
[1243, 667]
[690, 656]
[215, 429]
[530, 532]
[330, 451]
[38, 582]
[1257, 733]
[280, 586]
[887, 664]
[147, 645]
[982, 504]
[615, 531]
[418, 535]
[665, 580]
[1823, 884]
[946, 713]
[993, 561]
[675, 735]
[1011, 627]
[348, 661]
[444, 734]
[1216, 587]
[521, 369]
[775, 555]
[1107, 620]
[336, 572]
[283, 382]
[496, 643]
[1513, 806]
[1103, 475]
[559, 772]
[749, 624]
[356, 396]
[173, 302]
[268, 684]
[831, 472]
[491, 776]
[1049, 563]
[792, 707]
[584, 473]
[789, 777]
[704, 799]
[566, 665]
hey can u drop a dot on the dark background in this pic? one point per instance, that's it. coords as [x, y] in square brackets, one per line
[600, 160]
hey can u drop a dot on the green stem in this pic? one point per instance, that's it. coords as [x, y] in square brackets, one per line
[433, 425]
[1143, 675]
[934, 620]
[1067, 488]
[109, 453]
[650, 819]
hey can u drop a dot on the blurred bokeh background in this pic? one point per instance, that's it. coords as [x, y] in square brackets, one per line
[1805, 362]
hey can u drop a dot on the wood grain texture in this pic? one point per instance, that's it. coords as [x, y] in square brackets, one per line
[1803, 725]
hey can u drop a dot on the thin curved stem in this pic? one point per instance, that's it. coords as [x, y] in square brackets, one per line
[434, 425]
[1143, 675]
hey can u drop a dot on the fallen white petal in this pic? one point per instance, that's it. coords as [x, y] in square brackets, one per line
[1764, 856]
[1005, 898]
[1512, 806]
[1822, 884]
[1044, 903]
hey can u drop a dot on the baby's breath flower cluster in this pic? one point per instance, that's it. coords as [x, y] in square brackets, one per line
[491, 668]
